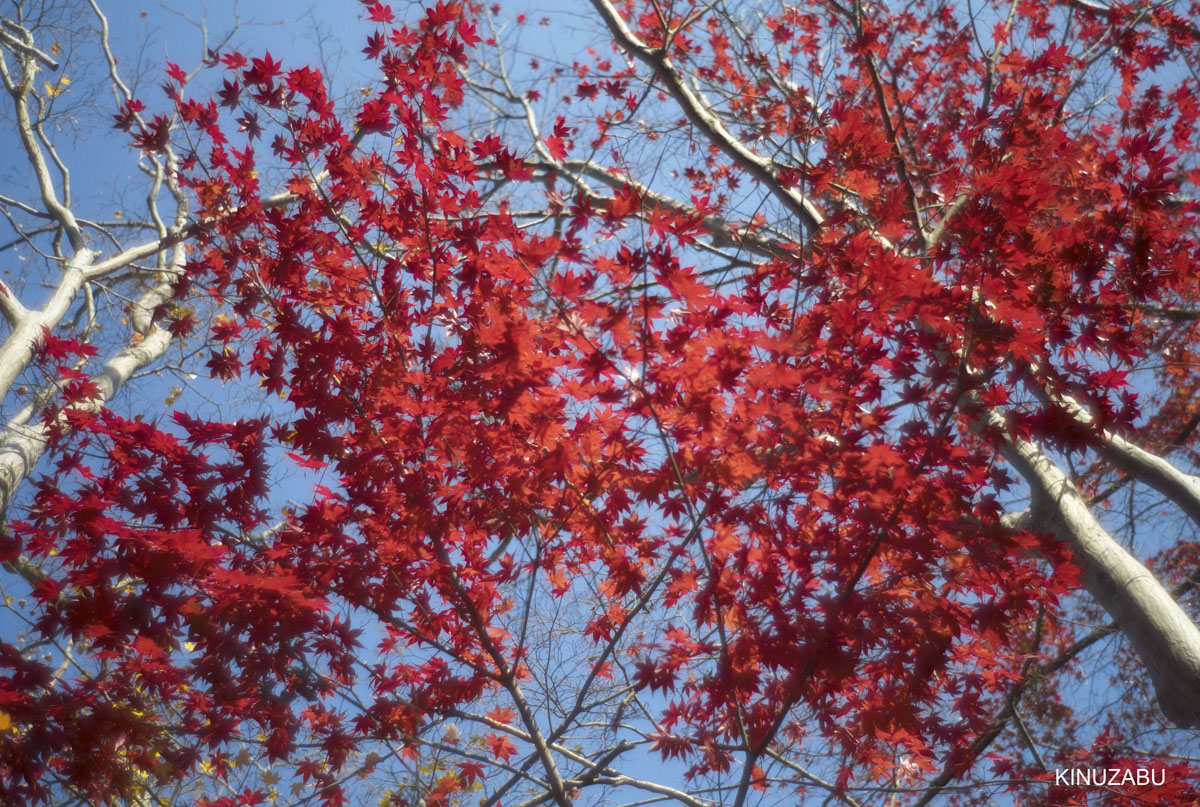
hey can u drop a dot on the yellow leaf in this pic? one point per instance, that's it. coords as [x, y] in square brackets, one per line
[55, 89]
[5, 721]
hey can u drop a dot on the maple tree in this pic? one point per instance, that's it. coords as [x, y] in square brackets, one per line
[765, 403]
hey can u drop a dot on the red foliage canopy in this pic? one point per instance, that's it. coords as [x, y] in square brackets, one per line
[703, 465]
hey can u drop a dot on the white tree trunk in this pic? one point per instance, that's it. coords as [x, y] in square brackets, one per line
[1164, 637]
